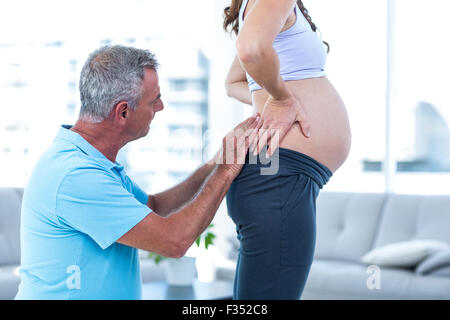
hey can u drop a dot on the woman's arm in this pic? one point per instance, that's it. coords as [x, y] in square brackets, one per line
[254, 44]
[236, 83]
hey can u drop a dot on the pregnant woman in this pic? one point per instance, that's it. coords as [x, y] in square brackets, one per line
[279, 69]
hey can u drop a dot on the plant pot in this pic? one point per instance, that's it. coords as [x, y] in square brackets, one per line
[181, 272]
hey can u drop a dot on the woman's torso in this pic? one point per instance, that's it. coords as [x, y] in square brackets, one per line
[330, 138]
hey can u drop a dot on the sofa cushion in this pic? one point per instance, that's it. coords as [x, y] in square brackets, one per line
[403, 254]
[10, 205]
[346, 224]
[440, 272]
[410, 217]
[334, 279]
[438, 260]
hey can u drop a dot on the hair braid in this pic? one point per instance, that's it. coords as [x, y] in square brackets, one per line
[308, 18]
[231, 16]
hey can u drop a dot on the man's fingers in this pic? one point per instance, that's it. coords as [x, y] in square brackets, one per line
[244, 135]
[241, 149]
[234, 144]
[260, 123]
[253, 120]
[235, 149]
[245, 122]
[247, 144]
[252, 123]
[253, 139]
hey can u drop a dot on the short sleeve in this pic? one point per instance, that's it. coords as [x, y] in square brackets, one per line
[138, 193]
[94, 201]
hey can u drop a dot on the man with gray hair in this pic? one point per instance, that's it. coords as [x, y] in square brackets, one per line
[83, 218]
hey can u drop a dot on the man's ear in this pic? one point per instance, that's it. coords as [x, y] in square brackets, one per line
[122, 111]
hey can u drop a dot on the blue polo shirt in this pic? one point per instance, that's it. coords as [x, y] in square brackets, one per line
[76, 205]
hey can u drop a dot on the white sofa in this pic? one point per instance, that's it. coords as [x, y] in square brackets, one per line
[10, 202]
[348, 226]
[351, 224]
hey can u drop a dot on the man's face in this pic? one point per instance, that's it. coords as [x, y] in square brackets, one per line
[147, 107]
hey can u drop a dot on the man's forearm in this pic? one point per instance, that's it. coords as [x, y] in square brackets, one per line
[195, 217]
[171, 200]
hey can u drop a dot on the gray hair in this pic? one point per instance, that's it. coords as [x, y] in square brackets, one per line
[112, 74]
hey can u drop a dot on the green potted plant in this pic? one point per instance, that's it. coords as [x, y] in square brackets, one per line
[182, 271]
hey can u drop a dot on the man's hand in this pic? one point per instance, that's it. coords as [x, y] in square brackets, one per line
[231, 156]
[277, 118]
[171, 236]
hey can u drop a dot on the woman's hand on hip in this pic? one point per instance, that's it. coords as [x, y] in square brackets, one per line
[277, 118]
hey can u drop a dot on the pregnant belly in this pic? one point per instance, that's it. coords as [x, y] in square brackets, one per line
[330, 139]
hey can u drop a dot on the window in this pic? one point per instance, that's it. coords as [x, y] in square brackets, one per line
[418, 144]
[356, 66]
[41, 57]
[421, 134]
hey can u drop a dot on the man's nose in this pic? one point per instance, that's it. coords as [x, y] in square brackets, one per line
[160, 107]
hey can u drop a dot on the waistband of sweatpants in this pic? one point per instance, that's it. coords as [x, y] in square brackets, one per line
[291, 163]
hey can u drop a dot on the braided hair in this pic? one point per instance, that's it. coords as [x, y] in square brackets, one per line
[308, 18]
